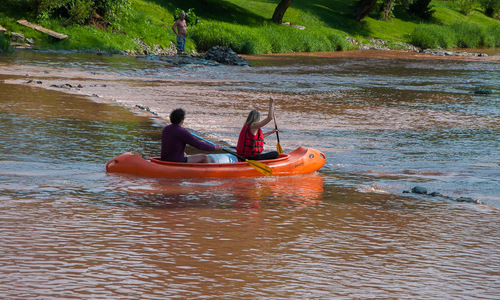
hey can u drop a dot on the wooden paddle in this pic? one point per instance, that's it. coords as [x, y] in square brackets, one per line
[262, 168]
[278, 146]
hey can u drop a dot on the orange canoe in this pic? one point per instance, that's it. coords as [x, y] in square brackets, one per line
[300, 161]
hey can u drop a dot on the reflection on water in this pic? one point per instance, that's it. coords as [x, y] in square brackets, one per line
[69, 230]
[294, 192]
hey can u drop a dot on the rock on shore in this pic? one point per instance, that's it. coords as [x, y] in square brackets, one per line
[378, 44]
[215, 56]
[225, 55]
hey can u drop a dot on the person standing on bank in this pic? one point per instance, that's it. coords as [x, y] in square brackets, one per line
[251, 140]
[174, 139]
[180, 30]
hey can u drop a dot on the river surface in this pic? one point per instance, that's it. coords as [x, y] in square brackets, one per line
[386, 122]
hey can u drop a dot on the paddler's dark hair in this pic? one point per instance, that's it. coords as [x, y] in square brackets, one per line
[177, 116]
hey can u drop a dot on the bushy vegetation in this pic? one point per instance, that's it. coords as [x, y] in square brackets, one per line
[465, 6]
[190, 16]
[492, 38]
[491, 7]
[71, 11]
[269, 38]
[433, 36]
[468, 35]
[458, 35]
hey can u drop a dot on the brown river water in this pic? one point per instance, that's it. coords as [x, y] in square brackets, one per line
[387, 121]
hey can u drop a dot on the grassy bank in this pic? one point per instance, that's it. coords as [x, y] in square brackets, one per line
[245, 26]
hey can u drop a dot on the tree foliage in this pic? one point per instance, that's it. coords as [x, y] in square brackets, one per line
[491, 7]
[465, 6]
[383, 9]
[73, 11]
[421, 9]
[191, 18]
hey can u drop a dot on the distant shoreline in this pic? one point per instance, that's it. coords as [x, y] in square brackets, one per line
[388, 54]
[474, 54]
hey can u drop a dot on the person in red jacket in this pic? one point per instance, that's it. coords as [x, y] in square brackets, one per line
[174, 139]
[251, 140]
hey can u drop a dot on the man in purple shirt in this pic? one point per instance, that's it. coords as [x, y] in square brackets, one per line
[174, 139]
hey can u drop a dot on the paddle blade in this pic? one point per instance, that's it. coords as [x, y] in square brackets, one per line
[279, 149]
[264, 169]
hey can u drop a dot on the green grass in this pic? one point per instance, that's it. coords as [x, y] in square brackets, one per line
[245, 26]
[89, 38]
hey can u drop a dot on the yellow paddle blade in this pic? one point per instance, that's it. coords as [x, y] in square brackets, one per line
[264, 169]
[278, 148]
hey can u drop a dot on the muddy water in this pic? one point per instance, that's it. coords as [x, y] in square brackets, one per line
[385, 122]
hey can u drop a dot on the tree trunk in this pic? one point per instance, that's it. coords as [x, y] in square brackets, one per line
[363, 8]
[388, 9]
[280, 10]
[37, 7]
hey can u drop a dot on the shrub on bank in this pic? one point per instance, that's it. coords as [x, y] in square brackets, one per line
[492, 36]
[270, 38]
[468, 35]
[465, 6]
[433, 36]
[458, 35]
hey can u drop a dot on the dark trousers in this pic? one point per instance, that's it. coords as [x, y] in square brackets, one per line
[265, 155]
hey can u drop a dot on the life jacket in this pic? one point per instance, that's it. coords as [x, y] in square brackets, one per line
[250, 145]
